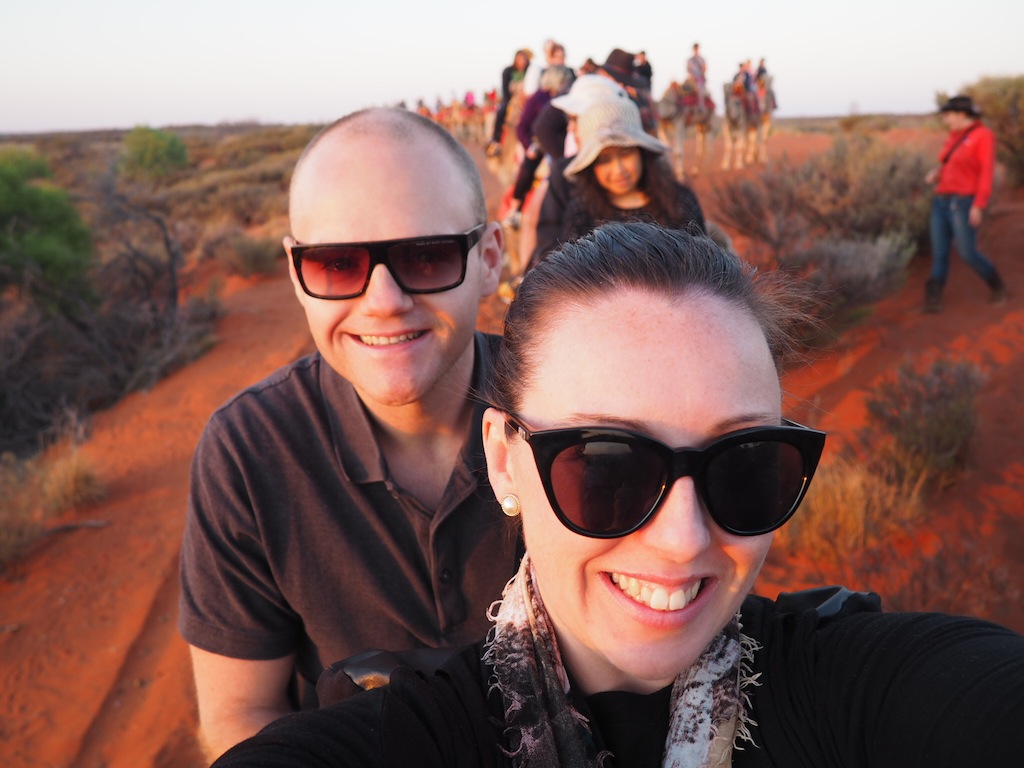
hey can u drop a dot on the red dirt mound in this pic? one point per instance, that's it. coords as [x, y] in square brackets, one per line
[92, 669]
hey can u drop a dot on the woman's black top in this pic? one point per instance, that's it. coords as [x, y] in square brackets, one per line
[841, 684]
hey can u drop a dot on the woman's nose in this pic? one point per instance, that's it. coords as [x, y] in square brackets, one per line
[681, 526]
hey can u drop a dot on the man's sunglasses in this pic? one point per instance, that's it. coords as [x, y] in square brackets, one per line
[605, 483]
[428, 264]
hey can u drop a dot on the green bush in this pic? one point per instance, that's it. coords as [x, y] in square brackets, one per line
[150, 154]
[45, 249]
[1001, 101]
[921, 420]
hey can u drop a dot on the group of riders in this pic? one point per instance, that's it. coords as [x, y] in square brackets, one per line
[474, 119]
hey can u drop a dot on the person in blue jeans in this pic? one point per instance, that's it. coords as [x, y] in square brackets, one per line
[963, 186]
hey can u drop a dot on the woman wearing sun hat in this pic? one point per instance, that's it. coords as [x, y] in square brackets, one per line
[963, 184]
[620, 174]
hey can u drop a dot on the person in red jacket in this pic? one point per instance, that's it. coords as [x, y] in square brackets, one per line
[963, 185]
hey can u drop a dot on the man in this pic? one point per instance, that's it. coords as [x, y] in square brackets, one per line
[643, 68]
[619, 67]
[963, 185]
[342, 504]
[697, 69]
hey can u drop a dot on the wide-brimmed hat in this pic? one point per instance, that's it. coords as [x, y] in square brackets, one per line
[609, 123]
[586, 91]
[964, 104]
[619, 65]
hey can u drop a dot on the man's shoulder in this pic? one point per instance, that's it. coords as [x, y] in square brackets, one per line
[288, 390]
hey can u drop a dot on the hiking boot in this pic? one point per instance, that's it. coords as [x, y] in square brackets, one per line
[933, 297]
[998, 287]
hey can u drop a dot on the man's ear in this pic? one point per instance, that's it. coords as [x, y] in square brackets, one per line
[492, 251]
[288, 242]
[499, 465]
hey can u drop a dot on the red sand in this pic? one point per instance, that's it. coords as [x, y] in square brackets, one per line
[92, 669]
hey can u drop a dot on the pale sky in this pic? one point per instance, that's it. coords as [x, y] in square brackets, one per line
[88, 64]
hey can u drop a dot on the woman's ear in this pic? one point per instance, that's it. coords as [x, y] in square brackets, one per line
[499, 465]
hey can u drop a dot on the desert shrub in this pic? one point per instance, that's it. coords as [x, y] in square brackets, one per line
[849, 512]
[34, 490]
[848, 276]
[45, 249]
[248, 195]
[250, 256]
[89, 355]
[866, 123]
[18, 522]
[1001, 100]
[860, 189]
[921, 420]
[864, 188]
[240, 150]
[150, 154]
[769, 209]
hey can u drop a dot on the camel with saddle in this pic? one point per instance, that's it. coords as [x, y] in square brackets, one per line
[679, 108]
[747, 123]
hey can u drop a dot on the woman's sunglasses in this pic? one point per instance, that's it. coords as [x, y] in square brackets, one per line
[418, 264]
[607, 483]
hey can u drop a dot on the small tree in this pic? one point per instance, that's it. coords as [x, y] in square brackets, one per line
[45, 249]
[150, 154]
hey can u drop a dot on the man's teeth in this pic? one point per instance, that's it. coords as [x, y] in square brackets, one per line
[383, 341]
[654, 596]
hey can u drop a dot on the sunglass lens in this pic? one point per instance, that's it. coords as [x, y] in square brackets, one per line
[335, 271]
[606, 486]
[428, 266]
[752, 487]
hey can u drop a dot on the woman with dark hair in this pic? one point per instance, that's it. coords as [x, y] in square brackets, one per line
[637, 433]
[620, 174]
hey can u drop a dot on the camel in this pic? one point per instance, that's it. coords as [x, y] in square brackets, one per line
[766, 105]
[748, 119]
[678, 110]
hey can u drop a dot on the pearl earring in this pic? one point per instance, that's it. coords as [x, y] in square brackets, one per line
[510, 505]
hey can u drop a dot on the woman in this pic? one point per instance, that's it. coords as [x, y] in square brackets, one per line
[511, 83]
[963, 184]
[620, 174]
[628, 637]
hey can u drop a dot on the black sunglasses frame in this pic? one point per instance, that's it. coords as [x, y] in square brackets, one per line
[547, 444]
[379, 254]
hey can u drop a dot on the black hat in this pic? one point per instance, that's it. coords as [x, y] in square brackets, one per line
[964, 104]
[619, 65]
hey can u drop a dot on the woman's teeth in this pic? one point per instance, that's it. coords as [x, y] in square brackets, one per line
[655, 596]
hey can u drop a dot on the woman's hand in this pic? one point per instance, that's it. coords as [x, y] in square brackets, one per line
[974, 216]
[932, 176]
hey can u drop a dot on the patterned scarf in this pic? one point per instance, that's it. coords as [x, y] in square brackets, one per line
[708, 704]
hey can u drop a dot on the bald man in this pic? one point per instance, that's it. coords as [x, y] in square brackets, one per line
[342, 504]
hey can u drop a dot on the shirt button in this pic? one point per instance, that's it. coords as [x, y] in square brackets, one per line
[446, 575]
